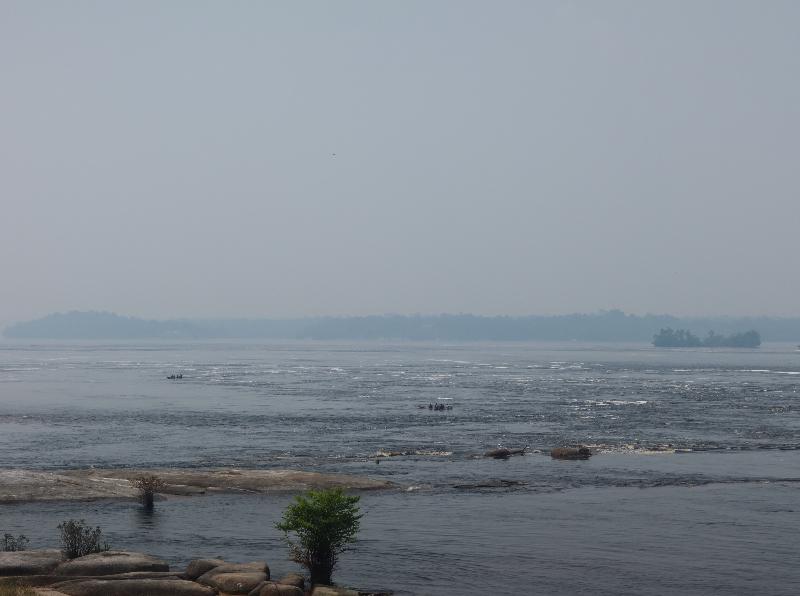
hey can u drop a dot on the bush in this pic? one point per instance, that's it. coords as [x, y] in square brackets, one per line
[78, 539]
[324, 522]
[148, 486]
[12, 544]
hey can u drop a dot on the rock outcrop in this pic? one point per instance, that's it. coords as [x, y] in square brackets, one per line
[504, 453]
[198, 567]
[110, 563]
[293, 579]
[133, 587]
[235, 583]
[30, 562]
[332, 591]
[232, 578]
[121, 573]
[276, 589]
[83, 485]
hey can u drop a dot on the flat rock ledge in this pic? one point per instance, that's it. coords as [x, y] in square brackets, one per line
[143, 575]
[87, 485]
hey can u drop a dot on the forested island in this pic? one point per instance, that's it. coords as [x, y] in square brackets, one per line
[683, 338]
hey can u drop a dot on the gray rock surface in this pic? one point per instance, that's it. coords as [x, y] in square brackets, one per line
[50, 579]
[111, 562]
[293, 579]
[83, 485]
[237, 582]
[133, 587]
[251, 567]
[277, 589]
[332, 591]
[198, 567]
[30, 562]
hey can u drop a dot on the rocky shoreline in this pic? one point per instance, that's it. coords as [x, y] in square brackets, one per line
[22, 486]
[121, 573]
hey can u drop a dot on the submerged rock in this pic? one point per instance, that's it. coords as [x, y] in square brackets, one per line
[504, 453]
[571, 453]
[418, 452]
[493, 483]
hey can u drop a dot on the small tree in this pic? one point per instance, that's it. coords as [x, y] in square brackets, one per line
[78, 539]
[148, 486]
[323, 522]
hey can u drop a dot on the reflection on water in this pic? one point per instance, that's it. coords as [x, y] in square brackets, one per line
[146, 517]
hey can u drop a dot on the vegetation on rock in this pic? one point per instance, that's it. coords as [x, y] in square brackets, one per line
[79, 539]
[13, 543]
[323, 524]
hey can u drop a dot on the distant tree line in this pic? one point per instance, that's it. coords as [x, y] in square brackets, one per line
[683, 338]
[611, 325]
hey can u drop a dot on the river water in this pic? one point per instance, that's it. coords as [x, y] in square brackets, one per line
[694, 488]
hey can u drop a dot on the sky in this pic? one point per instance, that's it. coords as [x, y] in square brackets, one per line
[282, 159]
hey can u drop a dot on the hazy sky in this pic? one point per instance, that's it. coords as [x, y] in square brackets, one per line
[299, 158]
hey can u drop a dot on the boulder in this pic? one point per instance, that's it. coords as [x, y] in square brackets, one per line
[571, 453]
[236, 583]
[293, 579]
[30, 562]
[332, 591]
[252, 567]
[48, 580]
[32, 581]
[257, 590]
[504, 453]
[198, 567]
[277, 589]
[133, 587]
[498, 453]
[144, 575]
[109, 563]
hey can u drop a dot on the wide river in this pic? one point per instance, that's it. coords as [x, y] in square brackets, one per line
[694, 488]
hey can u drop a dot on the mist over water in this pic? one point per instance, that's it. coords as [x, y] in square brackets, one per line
[627, 521]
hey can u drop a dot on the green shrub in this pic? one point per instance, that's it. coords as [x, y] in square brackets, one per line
[78, 539]
[323, 523]
[148, 486]
[14, 543]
